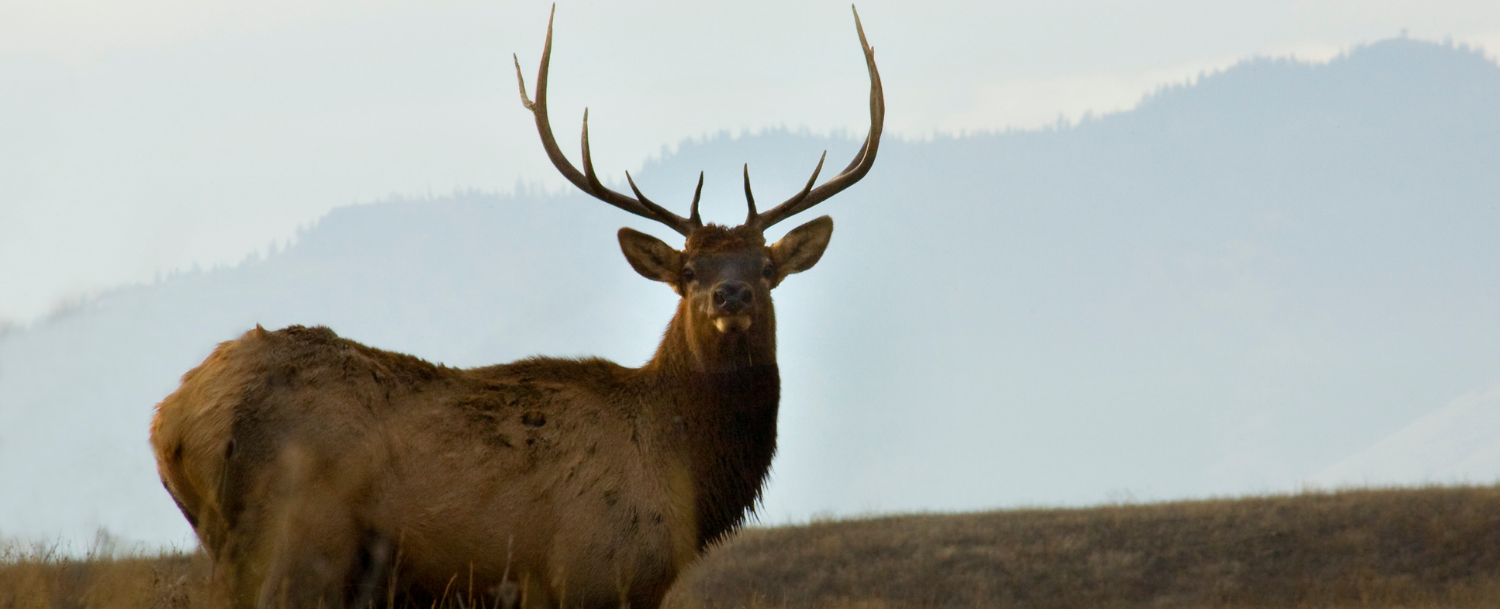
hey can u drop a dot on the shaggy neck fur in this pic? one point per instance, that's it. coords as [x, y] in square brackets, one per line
[729, 391]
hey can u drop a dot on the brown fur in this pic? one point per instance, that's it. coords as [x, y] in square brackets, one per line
[315, 469]
[715, 239]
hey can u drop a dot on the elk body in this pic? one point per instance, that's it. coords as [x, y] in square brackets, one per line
[319, 471]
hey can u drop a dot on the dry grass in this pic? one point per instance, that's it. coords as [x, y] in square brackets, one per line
[35, 578]
[1436, 547]
[1420, 549]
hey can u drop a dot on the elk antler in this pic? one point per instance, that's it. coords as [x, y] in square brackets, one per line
[586, 180]
[857, 168]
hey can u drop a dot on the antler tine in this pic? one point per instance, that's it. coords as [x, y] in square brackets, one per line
[521, 80]
[693, 217]
[749, 198]
[857, 168]
[810, 181]
[588, 157]
[586, 180]
[634, 189]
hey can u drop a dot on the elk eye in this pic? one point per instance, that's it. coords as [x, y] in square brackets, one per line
[687, 274]
[769, 272]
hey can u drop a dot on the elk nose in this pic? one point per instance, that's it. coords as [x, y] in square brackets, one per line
[732, 297]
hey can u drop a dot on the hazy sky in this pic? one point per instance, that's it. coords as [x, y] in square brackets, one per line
[140, 137]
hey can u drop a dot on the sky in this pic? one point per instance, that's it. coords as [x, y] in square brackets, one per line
[158, 135]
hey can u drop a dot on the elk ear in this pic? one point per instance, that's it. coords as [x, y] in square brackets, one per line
[650, 257]
[800, 249]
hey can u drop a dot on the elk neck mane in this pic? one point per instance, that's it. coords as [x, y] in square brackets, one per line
[727, 388]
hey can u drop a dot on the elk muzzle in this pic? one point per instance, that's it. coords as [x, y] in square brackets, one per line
[732, 305]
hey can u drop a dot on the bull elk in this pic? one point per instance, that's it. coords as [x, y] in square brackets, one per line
[318, 471]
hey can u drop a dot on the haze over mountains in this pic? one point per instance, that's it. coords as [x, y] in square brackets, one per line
[1229, 289]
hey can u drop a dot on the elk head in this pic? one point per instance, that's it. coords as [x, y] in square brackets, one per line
[723, 274]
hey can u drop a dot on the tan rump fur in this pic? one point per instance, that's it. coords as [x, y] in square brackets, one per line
[190, 432]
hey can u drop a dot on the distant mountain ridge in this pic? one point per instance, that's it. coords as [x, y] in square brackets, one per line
[1226, 290]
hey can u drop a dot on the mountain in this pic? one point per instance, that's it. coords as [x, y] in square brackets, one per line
[1228, 289]
[1457, 443]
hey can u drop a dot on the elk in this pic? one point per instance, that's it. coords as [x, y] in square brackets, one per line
[318, 471]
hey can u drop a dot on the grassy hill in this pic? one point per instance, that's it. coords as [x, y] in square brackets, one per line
[1381, 548]
[1419, 548]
